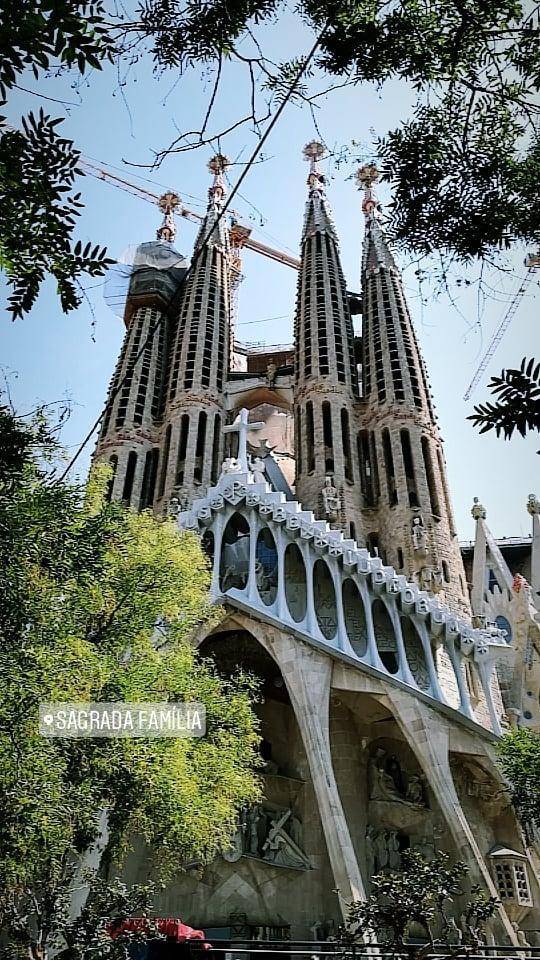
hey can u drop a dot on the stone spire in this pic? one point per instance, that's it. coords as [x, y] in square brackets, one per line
[200, 355]
[326, 383]
[405, 491]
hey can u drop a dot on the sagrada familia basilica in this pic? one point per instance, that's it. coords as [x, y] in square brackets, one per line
[390, 658]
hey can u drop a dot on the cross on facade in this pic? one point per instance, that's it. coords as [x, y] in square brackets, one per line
[242, 428]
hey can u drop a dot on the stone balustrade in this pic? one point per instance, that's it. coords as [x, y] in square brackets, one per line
[281, 562]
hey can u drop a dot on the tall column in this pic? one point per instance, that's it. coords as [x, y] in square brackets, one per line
[200, 357]
[326, 387]
[407, 512]
[130, 439]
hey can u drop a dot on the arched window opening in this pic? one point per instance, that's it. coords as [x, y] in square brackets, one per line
[355, 617]
[400, 558]
[149, 478]
[372, 544]
[310, 437]
[266, 566]
[415, 654]
[408, 464]
[445, 572]
[215, 448]
[430, 477]
[234, 565]
[299, 442]
[113, 464]
[129, 477]
[199, 448]
[165, 462]
[385, 637]
[182, 448]
[346, 443]
[324, 599]
[444, 485]
[352, 530]
[389, 468]
[295, 583]
[367, 462]
[327, 438]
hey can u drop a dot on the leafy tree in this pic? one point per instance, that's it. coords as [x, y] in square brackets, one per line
[37, 166]
[519, 758]
[518, 402]
[98, 604]
[419, 896]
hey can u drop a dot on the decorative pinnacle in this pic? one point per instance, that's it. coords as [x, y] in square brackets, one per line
[217, 165]
[478, 510]
[313, 152]
[533, 504]
[366, 177]
[168, 204]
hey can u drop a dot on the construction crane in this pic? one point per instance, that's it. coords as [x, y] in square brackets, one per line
[532, 263]
[240, 234]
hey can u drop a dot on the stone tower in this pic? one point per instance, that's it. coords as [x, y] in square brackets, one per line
[407, 513]
[130, 437]
[326, 382]
[199, 359]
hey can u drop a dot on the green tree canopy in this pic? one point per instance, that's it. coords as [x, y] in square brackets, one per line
[98, 604]
[519, 759]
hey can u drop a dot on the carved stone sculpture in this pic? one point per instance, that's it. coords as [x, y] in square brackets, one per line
[258, 470]
[331, 498]
[419, 535]
[271, 372]
[231, 465]
[478, 511]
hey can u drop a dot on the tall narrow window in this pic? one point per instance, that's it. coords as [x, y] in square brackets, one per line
[346, 442]
[310, 437]
[430, 477]
[113, 463]
[327, 437]
[368, 468]
[165, 463]
[408, 464]
[129, 477]
[449, 512]
[149, 478]
[299, 442]
[182, 448]
[389, 468]
[199, 448]
[215, 447]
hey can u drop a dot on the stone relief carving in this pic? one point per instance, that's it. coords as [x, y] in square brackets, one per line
[384, 850]
[271, 373]
[258, 470]
[274, 836]
[232, 465]
[389, 782]
[419, 534]
[331, 498]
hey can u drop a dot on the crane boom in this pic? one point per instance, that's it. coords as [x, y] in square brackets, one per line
[93, 170]
[532, 262]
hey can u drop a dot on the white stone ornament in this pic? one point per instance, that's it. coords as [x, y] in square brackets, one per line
[331, 498]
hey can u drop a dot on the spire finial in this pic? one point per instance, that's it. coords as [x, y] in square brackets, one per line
[217, 165]
[168, 204]
[366, 177]
[313, 152]
[478, 510]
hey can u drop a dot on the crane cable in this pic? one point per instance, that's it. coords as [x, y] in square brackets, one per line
[114, 393]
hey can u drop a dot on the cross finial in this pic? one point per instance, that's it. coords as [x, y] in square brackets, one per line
[168, 204]
[217, 165]
[366, 177]
[242, 427]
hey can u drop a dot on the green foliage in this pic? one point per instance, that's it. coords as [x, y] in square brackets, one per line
[518, 402]
[519, 758]
[98, 603]
[37, 212]
[419, 895]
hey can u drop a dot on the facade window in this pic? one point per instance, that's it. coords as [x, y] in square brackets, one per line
[149, 478]
[511, 877]
[129, 477]
[182, 448]
[400, 558]
[327, 438]
[165, 463]
[113, 463]
[430, 477]
[445, 571]
[408, 464]
[389, 468]
[199, 448]
[299, 442]
[310, 437]
[215, 447]
[346, 442]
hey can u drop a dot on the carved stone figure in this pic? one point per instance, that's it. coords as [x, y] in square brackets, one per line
[533, 506]
[173, 508]
[478, 511]
[371, 837]
[232, 465]
[331, 498]
[383, 786]
[419, 535]
[394, 852]
[415, 791]
[271, 372]
[279, 846]
[258, 470]
[453, 935]
[381, 852]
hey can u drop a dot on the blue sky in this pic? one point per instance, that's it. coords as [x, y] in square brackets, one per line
[49, 356]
